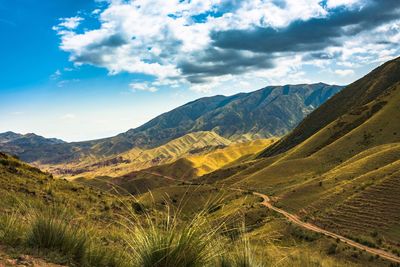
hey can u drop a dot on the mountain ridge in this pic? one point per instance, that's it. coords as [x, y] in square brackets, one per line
[376, 82]
[267, 112]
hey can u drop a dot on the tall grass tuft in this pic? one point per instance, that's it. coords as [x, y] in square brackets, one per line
[12, 232]
[52, 230]
[100, 256]
[242, 255]
[163, 241]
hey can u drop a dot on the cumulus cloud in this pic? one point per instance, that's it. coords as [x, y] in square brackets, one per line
[344, 72]
[312, 34]
[203, 43]
[142, 86]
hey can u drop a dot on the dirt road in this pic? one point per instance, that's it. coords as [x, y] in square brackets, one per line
[294, 219]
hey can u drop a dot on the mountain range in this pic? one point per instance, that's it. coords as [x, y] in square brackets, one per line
[271, 111]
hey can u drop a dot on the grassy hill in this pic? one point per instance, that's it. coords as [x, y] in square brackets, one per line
[202, 158]
[271, 111]
[138, 159]
[340, 167]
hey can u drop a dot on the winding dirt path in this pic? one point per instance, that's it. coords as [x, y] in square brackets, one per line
[294, 219]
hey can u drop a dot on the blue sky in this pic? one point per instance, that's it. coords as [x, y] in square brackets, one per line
[85, 69]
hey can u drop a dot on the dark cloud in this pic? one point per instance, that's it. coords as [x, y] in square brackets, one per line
[93, 53]
[321, 55]
[114, 40]
[311, 35]
[218, 62]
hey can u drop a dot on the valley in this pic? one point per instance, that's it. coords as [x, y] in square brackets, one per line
[313, 185]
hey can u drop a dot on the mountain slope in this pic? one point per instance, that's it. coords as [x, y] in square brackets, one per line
[271, 111]
[344, 176]
[353, 98]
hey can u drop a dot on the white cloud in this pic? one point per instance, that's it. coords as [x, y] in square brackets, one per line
[154, 37]
[56, 75]
[337, 3]
[96, 11]
[143, 37]
[344, 72]
[142, 86]
[63, 83]
[69, 23]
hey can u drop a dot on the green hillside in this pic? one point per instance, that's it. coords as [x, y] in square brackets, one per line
[354, 98]
[340, 171]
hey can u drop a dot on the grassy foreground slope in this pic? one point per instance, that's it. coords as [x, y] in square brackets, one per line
[340, 171]
[73, 225]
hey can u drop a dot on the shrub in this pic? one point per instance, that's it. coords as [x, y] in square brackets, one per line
[332, 249]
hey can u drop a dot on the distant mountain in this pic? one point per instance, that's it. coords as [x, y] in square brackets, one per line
[9, 136]
[29, 138]
[271, 111]
[24, 144]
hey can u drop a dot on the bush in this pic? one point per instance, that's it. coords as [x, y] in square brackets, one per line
[332, 249]
[304, 234]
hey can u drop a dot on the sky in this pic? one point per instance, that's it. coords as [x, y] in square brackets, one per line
[87, 69]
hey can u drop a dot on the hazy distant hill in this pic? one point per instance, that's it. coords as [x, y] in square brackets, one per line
[271, 111]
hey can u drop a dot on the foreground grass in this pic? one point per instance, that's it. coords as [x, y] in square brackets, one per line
[94, 228]
[60, 238]
[162, 241]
